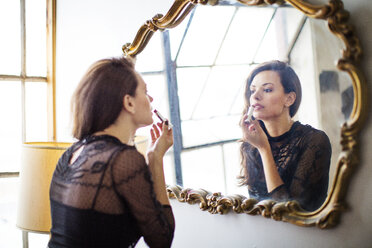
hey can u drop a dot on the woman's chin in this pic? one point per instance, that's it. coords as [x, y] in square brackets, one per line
[146, 123]
[149, 122]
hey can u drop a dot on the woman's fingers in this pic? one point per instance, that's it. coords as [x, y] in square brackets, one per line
[160, 125]
[153, 137]
[164, 126]
[243, 121]
[252, 127]
[156, 130]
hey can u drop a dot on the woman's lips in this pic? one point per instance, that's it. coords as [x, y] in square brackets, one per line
[257, 106]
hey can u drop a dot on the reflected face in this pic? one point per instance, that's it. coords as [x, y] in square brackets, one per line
[142, 100]
[268, 97]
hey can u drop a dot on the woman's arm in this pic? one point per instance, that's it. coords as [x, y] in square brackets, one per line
[272, 177]
[253, 133]
[134, 184]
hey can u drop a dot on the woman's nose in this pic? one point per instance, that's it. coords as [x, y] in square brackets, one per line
[256, 95]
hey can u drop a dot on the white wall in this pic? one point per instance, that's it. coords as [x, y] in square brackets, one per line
[355, 229]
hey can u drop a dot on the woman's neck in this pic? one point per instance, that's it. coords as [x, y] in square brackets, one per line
[121, 129]
[278, 126]
[124, 137]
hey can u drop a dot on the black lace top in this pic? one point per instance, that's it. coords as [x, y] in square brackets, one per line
[106, 198]
[302, 156]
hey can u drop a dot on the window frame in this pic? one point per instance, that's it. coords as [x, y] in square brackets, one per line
[49, 79]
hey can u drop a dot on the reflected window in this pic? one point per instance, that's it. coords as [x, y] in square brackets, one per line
[207, 59]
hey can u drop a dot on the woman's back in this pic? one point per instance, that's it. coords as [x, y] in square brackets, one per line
[105, 198]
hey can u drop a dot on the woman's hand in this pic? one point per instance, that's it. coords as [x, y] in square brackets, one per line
[161, 139]
[253, 134]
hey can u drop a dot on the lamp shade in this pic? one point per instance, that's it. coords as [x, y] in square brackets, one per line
[39, 160]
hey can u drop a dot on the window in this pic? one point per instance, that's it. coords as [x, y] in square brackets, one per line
[23, 79]
[23, 98]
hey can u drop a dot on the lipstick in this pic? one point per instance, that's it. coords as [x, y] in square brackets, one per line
[162, 118]
[250, 114]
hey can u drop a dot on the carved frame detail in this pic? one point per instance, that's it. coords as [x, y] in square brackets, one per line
[328, 215]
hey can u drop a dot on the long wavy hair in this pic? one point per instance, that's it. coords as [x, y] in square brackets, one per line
[98, 99]
[250, 166]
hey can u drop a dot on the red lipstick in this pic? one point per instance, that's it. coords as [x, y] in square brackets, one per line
[162, 118]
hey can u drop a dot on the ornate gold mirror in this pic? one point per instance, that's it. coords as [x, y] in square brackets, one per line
[317, 33]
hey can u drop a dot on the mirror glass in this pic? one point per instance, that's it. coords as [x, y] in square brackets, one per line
[213, 51]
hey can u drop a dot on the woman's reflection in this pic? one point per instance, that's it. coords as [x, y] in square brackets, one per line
[282, 159]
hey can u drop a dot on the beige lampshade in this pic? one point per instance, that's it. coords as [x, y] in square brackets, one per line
[39, 160]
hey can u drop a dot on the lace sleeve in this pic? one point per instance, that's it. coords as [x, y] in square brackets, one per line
[132, 180]
[310, 180]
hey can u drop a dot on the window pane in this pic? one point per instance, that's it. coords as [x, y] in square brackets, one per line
[191, 82]
[176, 35]
[232, 169]
[291, 20]
[221, 90]
[36, 38]
[205, 35]
[211, 101]
[279, 35]
[36, 111]
[208, 164]
[10, 42]
[244, 35]
[10, 126]
[198, 132]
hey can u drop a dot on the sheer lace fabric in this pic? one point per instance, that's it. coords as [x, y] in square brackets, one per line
[302, 156]
[106, 199]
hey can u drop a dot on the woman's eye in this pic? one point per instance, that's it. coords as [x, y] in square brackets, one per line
[252, 91]
[268, 90]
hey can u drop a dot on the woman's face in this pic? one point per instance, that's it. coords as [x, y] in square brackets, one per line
[143, 114]
[268, 97]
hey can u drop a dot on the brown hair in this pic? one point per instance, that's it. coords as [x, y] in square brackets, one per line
[291, 83]
[98, 99]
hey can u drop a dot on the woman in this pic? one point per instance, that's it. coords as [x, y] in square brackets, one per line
[103, 193]
[282, 159]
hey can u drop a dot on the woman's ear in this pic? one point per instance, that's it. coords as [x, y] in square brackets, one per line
[129, 104]
[291, 98]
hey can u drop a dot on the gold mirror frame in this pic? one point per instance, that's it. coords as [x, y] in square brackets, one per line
[328, 214]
